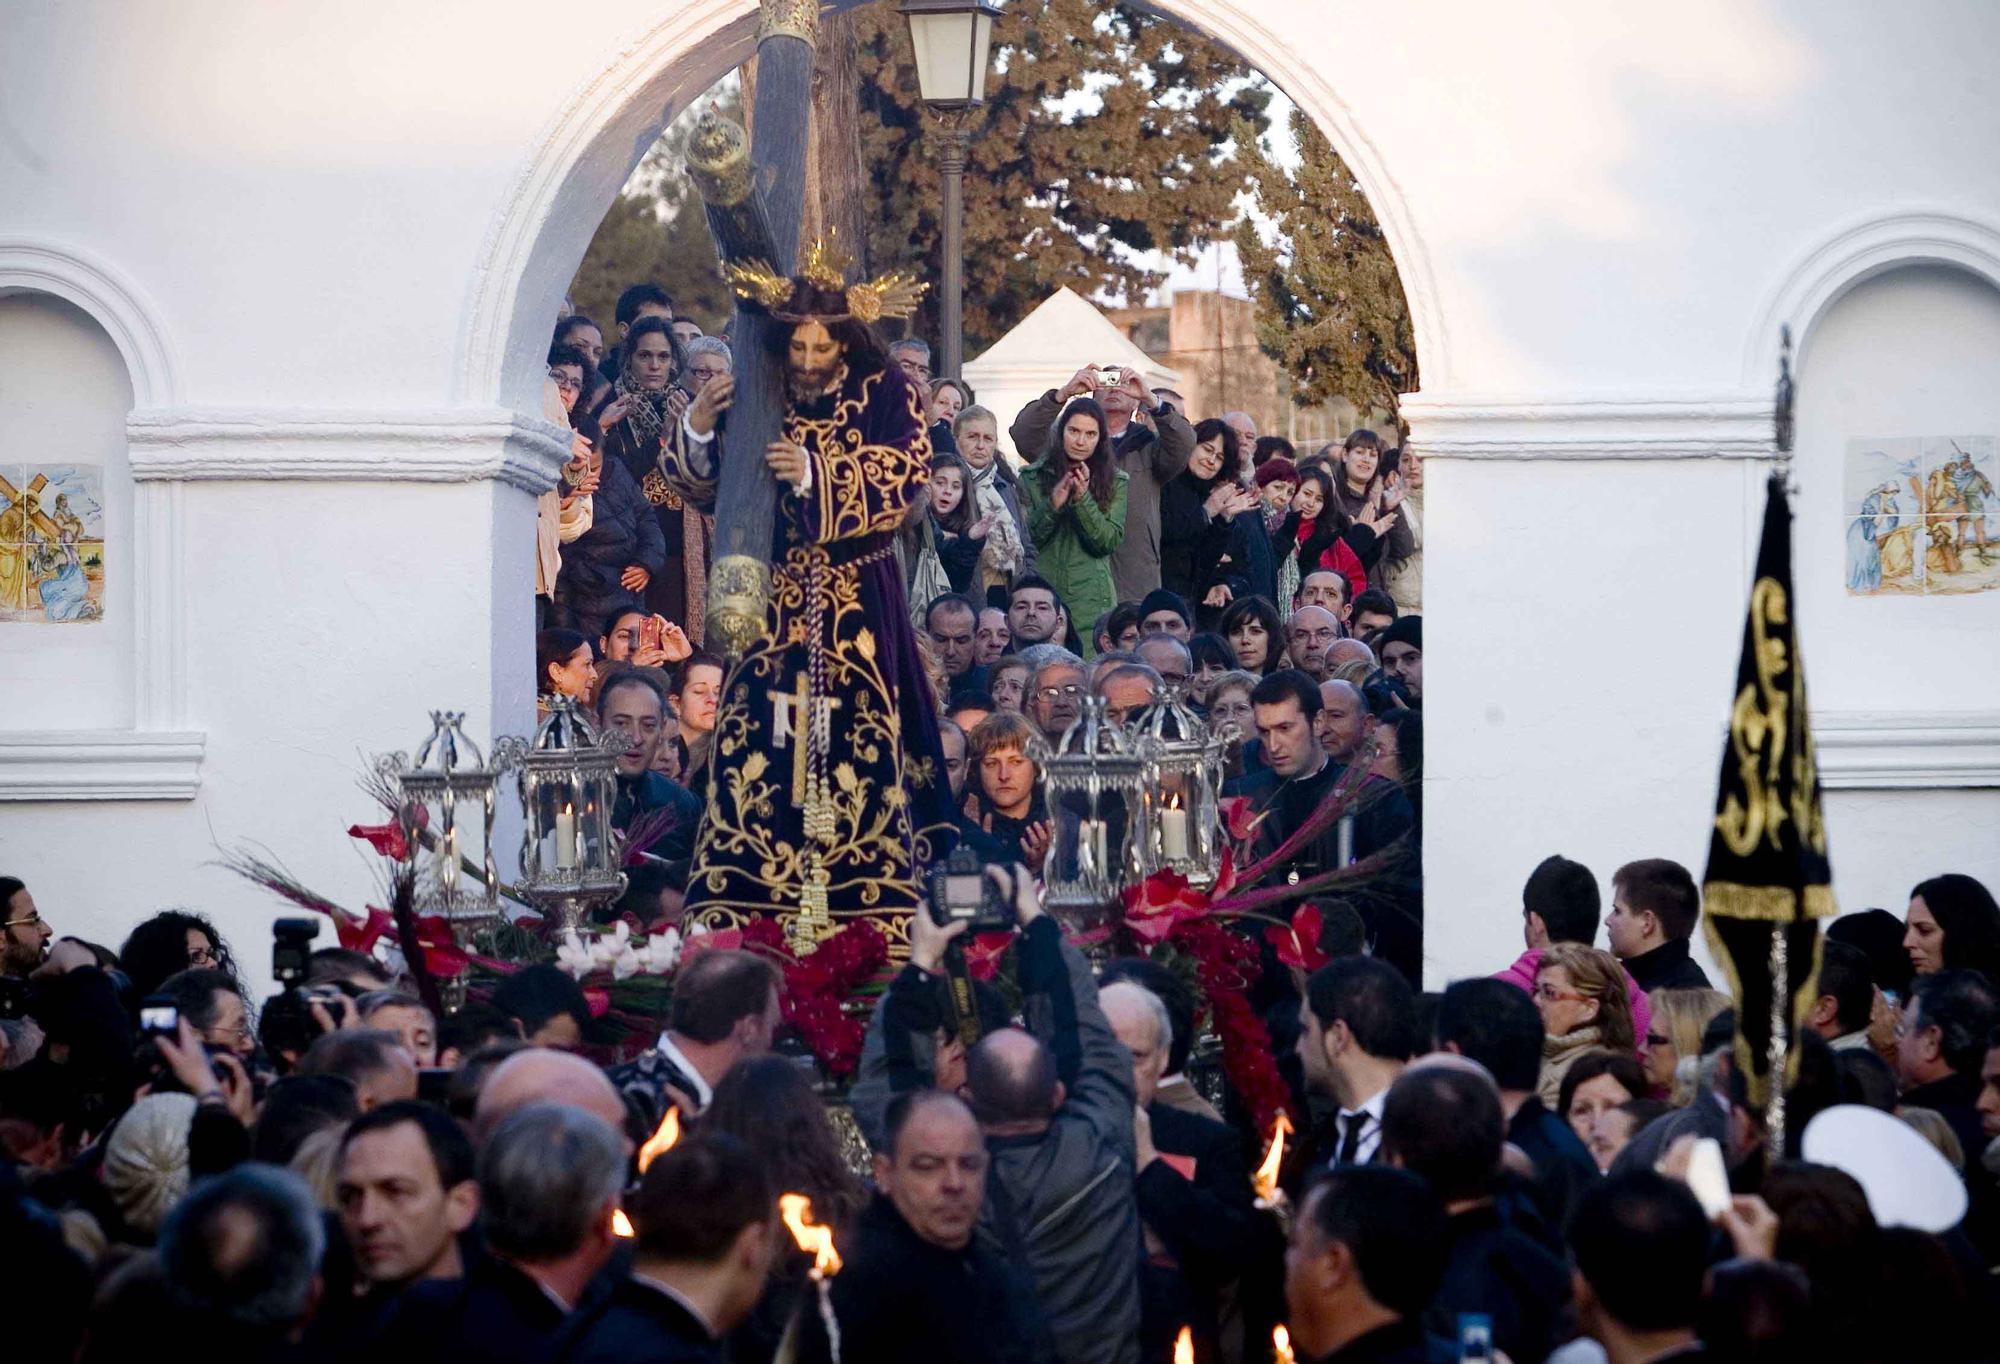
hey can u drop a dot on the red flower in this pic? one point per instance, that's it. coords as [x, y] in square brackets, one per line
[442, 955]
[386, 839]
[1240, 818]
[983, 954]
[598, 1000]
[1298, 945]
[362, 936]
[1161, 902]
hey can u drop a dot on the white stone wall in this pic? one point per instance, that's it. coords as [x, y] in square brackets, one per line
[327, 242]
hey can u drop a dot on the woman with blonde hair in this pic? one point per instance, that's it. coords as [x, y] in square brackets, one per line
[1672, 1047]
[1580, 994]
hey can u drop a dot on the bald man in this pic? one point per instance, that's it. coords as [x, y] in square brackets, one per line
[1245, 427]
[1128, 688]
[1195, 1208]
[1311, 631]
[544, 1076]
[1343, 722]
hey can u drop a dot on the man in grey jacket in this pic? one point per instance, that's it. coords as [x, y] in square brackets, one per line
[1056, 1103]
[1149, 457]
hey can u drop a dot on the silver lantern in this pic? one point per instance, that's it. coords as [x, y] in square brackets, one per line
[1184, 833]
[570, 854]
[1097, 783]
[445, 802]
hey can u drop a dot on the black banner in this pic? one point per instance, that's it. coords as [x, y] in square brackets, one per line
[1767, 863]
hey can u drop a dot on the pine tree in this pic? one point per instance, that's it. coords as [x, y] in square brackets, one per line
[1054, 188]
[1330, 306]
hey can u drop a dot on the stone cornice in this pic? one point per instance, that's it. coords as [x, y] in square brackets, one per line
[449, 445]
[1863, 750]
[99, 765]
[1724, 425]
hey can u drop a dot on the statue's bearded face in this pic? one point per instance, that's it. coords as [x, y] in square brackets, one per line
[814, 357]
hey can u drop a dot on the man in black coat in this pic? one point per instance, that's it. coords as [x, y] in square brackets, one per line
[633, 701]
[706, 1232]
[1193, 1188]
[549, 1180]
[917, 1283]
[1442, 1121]
[1495, 1024]
[1367, 1251]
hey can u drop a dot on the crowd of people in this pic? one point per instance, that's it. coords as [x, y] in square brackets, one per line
[1505, 1164]
[1131, 554]
[1041, 1167]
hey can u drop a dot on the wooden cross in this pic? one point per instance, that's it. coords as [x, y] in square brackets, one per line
[755, 196]
[40, 520]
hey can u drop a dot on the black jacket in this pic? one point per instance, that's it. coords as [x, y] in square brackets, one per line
[1195, 1202]
[1564, 1169]
[898, 1297]
[623, 533]
[632, 1323]
[1667, 967]
[1493, 1269]
[1955, 1099]
[495, 1314]
[1191, 542]
[668, 853]
[1402, 1342]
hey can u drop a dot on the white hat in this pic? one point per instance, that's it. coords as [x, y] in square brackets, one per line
[1907, 1182]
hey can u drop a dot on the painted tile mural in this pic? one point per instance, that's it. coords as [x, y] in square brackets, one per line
[51, 543]
[1922, 516]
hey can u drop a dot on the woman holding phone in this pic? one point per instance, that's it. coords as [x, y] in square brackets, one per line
[1074, 503]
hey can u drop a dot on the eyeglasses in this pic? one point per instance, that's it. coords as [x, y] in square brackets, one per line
[34, 916]
[1549, 994]
[1057, 693]
[1653, 1039]
[202, 956]
[565, 383]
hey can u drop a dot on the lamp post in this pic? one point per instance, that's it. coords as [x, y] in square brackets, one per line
[952, 39]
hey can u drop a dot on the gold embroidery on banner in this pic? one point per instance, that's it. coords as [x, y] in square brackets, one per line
[1757, 726]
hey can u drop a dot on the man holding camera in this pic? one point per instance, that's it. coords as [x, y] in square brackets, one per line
[1056, 1106]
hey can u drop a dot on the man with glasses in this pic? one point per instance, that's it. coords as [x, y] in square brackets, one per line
[912, 355]
[708, 359]
[1168, 657]
[211, 1002]
[1311, 632]
[27, 935]
[1056, 701]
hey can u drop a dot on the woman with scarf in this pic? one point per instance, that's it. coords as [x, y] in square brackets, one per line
[640, 419]
[993, 487]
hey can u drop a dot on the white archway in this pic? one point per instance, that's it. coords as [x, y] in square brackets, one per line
[29, 264]
[583, 156]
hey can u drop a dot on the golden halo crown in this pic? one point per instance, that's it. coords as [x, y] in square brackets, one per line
[825, 267]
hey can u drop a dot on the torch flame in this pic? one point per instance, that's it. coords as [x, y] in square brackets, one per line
[662, 1140]
[1184, 1346]
[1281, 1345]
[1265, 1180]
[621, 1225]
[816, 1241]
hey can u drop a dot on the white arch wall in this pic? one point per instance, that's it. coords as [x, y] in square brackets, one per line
[347, 222]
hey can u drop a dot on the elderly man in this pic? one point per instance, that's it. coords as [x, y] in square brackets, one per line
[541, 1075]
[708, 359]
[1168, 657]
[1056, 699]
[1343, 723]
[1245, 427]
[1193, 1188]
[991, 637]
[1128, 689]
[1310, 633]
[1149, 461]
[1324, 587]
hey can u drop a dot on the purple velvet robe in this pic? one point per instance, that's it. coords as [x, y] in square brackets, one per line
[821, 832]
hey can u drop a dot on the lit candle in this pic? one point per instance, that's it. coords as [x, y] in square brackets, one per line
[1184, 1346]
[1174, 832]
[1264, 1180]
[1281, 1346]
[566, 841]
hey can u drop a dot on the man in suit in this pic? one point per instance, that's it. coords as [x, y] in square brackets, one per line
[725, 1008]
[705, 1222]
[1192, 1186]
[1357, 1035]
[549, 1181]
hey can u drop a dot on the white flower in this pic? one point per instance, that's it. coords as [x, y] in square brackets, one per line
[607, 948]
[659, 954]
[573, 957]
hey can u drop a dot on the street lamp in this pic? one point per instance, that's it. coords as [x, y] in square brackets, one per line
[952, 39]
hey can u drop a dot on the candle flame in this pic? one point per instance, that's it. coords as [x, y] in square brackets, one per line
[662, 1140]
[1184, 1346]
[1281, 1344]
[621, 1225]
[816, 1241]
[1265, 1180]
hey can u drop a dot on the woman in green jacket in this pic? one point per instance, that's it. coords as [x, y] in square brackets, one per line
[1073, 502]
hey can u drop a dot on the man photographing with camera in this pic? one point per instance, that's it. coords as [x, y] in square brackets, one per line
[1055, 1104]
